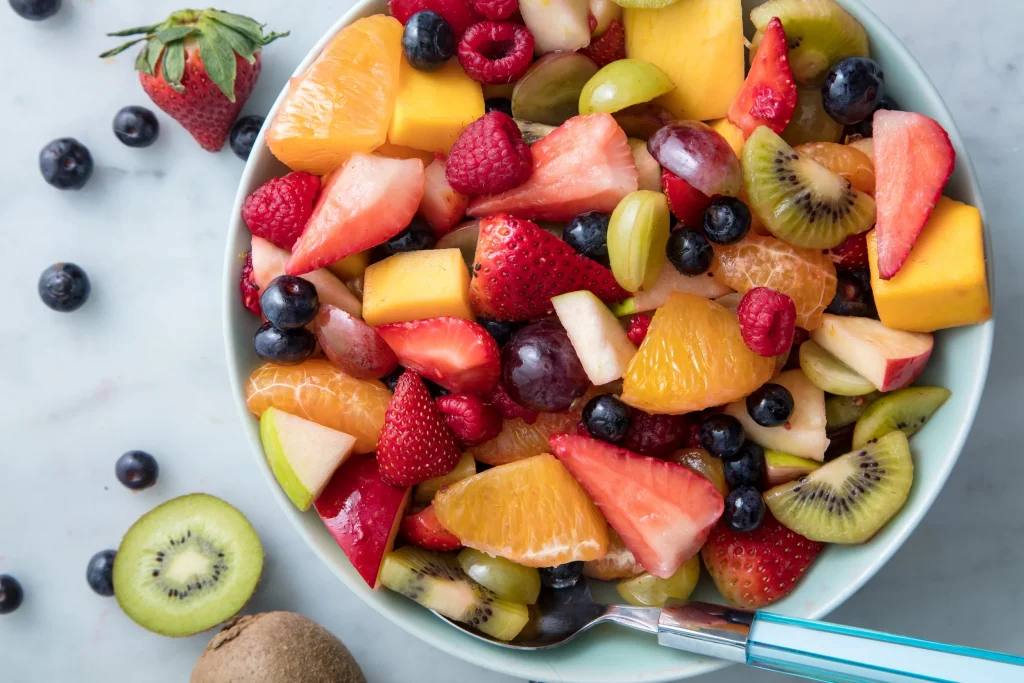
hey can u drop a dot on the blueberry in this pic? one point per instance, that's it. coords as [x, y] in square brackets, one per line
[853, 295]
[64, 287]
[284, 347]
[434, 389]
[563, 576]
[137, 470]
[66, 164]
[865, 127]
[428, 41]
[726, 220]
[744, 509]
[11, 594]
[587, 234]
[853, 89]
[391, 380]
[502, 104]
[689, 251]
[100, 572]
[501, 330]
[771, 405]
[606, 418]
[746, 468]
[722, 435]
[290, 302]
[35, 10]
[136, 126]
[244, 134]
[417, 236]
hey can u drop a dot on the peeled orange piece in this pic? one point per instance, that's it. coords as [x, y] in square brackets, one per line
[318, 391]
[518, 440]
[807, 275]
[532, 512]
[344, 101]
[693, 358]
[849, 162]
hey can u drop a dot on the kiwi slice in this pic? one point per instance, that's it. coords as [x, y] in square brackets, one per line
[850, 498]
[906, 410]
[508, 580]
[187, 565]
[819, 33]
[810, 123]
[799, 200]
[842, 411]
[830, 374]
[438, 583]
[783, 468]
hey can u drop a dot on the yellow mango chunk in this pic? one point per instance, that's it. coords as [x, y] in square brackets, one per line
[699, 46]
[943, 283]
[351, 267]
[434, 106]
[417, 285]
[731, 132]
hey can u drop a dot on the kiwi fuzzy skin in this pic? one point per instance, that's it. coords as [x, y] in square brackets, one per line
[275, 647]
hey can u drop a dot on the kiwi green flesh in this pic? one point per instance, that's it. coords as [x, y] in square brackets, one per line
[187, 565]
[810, 123]
[799, 200]
[438, 583]
[842, 411]
[819, 34]
[849, 499]
[782, 468]
[906, 410]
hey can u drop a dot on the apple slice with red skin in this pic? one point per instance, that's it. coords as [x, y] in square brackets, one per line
[889, 359]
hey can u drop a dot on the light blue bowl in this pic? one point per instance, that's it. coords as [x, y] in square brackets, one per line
[609, 655]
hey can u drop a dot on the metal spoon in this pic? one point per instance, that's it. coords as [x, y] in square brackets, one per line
[803, 648]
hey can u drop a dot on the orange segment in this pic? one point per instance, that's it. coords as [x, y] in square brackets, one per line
[807, 275]
[849, 162]
[532, 512]
[518, 440]
[344, 101]
[692, 358]
[320, 392]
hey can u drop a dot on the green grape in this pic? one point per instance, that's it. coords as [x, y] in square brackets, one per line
[810, 123]
[508, 580]
[622, 84]
[648, 590]
[637, 236]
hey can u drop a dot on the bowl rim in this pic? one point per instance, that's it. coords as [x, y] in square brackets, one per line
[879, 31]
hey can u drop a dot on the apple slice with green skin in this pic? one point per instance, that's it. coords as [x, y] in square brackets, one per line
[889, 359]
[302, 454]
[597, 336]
[268, 264]
[804, 434]
[557, 24]
[783, 468]
[670, 280]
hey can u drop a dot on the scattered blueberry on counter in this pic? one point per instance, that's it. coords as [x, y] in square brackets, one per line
[66, 164]
[11, 594]
[64, 287]
[137, 470]
[136, 127]
[100, 572]
[243, 135]
[35, 10]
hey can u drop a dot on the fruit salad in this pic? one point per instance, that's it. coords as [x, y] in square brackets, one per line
[561, 289]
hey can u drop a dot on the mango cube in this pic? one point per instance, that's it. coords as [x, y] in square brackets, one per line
[731, 132]
[943, 282]
[417, 285]
[699, 46]
[434, 106]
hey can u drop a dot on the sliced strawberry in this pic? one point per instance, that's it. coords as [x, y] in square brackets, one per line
[415, 445]
[249, 289]
[755, 569]
[366, 202]
[851, 254]
[913, 161]
[609, 47]
[768, 96]
[519, 267]
[423, 529]
[663, 511]
[684, 200]
[455, 353]
[442, 207]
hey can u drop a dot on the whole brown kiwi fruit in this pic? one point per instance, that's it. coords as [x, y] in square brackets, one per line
[275, 647]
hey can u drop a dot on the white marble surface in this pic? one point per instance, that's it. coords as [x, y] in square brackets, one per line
[142, 365]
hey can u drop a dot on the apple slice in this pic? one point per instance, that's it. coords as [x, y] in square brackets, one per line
[670, 280]
[363, 513]
[557, 24]
[268, 263]
[889, 359]
[783, 468]
[804, 434]
[597, 336]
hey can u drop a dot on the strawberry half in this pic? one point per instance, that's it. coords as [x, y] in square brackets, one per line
[520, 267]
[685, 201]
[455, 353]
[768, 96]
[852, 254]
[755, 569]
[663, 511]
[415, 445]
[913, 161]
[424, 529]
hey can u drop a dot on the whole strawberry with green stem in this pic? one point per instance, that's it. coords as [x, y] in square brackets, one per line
[200, 66]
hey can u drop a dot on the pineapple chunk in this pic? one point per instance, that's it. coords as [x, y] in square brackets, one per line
[417, 285]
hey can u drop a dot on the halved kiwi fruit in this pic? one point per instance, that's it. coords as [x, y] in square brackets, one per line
[187, 565]
[842, 411]
[438, 583]
[810, 123]
[819, 34]
[799, 200]
[849, 499]
[830, 374]
[906, 410]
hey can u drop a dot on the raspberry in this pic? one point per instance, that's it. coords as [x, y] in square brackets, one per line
[509, 409]
[279, 210]
[609, 47]
[494, 52]
[250, 292]
[767, 321]
[851, 254]
[490, 156]
[456, 12]
[638, 326]
[654, 435]
[495, 9]
[470, 420]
